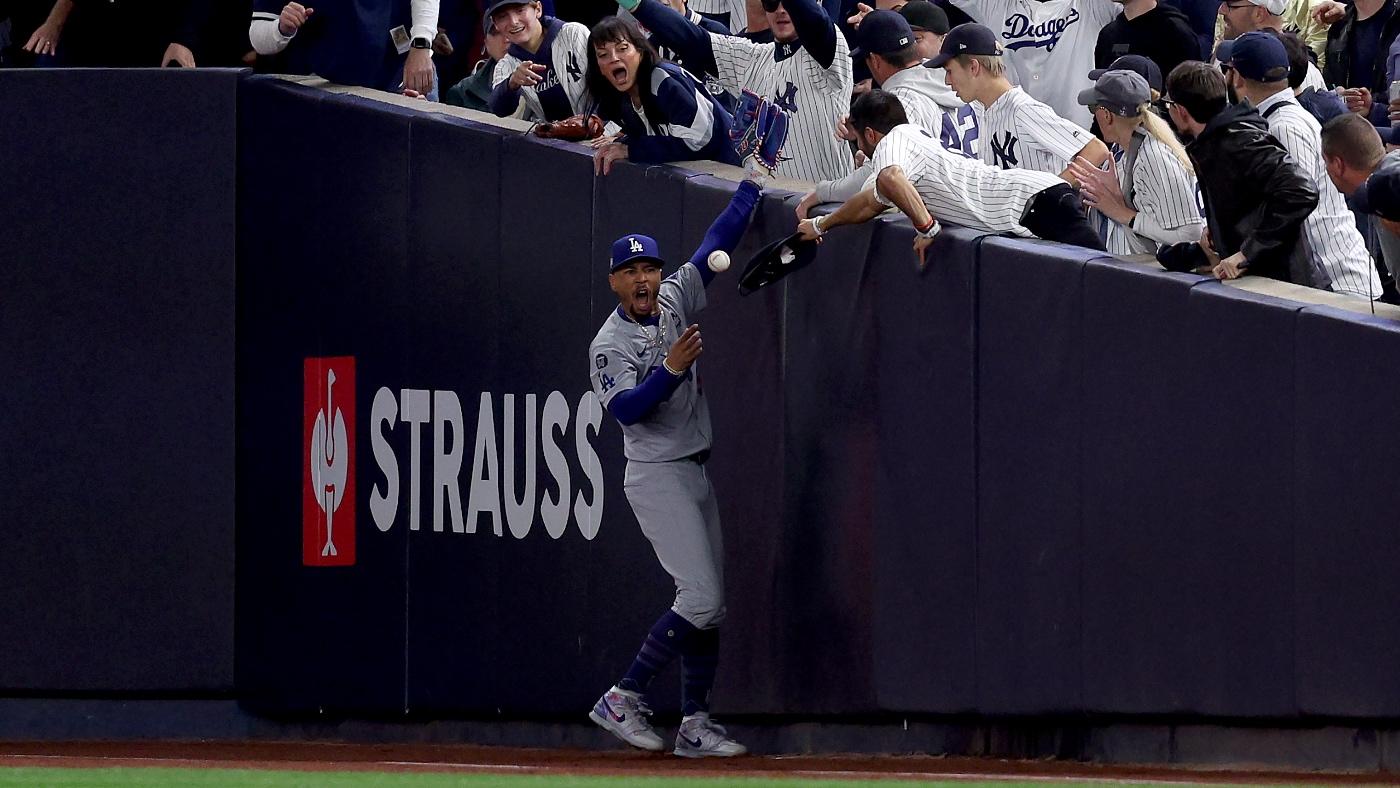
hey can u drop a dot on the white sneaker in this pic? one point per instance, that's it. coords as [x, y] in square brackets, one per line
[701, 737]
[624, 715]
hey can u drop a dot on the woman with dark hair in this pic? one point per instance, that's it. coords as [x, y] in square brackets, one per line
[665, 113]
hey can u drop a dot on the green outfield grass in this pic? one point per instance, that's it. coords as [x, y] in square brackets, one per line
[125, 777]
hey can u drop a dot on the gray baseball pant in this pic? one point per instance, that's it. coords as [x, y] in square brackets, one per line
[676, 507]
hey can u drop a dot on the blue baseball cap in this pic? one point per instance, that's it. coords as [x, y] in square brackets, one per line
[966, 39]
[1258, 57]
[634, 247]
[1380, 194]
[1137, 64]
[882, 32]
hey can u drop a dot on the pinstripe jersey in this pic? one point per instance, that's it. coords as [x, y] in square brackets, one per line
[1049, 45]
[815, 98]
[733, 14]
[1018, 131]
[1164, 194]
[1329, 235]
[955, 188]
[561, 93]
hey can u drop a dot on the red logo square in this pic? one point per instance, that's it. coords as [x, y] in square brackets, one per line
[328, 462]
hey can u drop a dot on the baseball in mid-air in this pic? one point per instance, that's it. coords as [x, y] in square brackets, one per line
[719, 261]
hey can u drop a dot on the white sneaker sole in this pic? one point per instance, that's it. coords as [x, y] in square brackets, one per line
[686, 752]
[616, 730]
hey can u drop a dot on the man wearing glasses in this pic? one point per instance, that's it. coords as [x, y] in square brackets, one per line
[1247, 16]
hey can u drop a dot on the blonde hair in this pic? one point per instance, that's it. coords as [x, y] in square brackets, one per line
[1153, 124]
[991, 64]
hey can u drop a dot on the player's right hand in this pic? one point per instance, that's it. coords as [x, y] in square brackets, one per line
[685, 350]
[294, 15]
[527, 75]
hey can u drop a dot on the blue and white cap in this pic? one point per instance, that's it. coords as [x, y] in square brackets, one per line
[634, 247]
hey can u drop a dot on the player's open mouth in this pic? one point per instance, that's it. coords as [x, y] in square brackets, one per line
[641, 299]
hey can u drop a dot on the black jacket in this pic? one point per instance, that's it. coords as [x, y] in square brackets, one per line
[1339, 58]
[1162, 35]
[1255, 199]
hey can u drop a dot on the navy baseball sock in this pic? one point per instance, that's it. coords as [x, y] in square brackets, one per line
[666, 639]
[698, 663]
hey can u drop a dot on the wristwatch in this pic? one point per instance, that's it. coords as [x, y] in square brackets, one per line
[421, 43]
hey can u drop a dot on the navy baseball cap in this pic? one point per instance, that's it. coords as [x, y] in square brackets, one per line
[1380, 194]
[1121, 92]
[966, 39]
[925, 16]
[1258, 57]
[499, 4]
[1135, 63]
[634, 247]
[882, 32]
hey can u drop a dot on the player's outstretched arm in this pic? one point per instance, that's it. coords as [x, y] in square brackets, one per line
[858, 210]
[814, 29]
[671, 30]
[725, 232]
[892, 184]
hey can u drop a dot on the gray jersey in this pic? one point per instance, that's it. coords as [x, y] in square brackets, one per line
[1329, 238]
[815, 98]
[955, 188]
[625, 352]
[1018, 131]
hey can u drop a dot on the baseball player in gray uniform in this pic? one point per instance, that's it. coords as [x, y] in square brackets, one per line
[805, 71]
[1015, 130]
[643, 370]
[911, 170]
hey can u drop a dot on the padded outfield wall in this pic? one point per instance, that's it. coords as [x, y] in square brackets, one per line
[1034, 481]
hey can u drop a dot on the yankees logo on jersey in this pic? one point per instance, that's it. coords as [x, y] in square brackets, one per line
[1022, 132]
[1049, 45]
[787, 100]
[1004, 151]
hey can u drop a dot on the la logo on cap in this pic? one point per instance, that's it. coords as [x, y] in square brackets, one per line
[636, 245]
